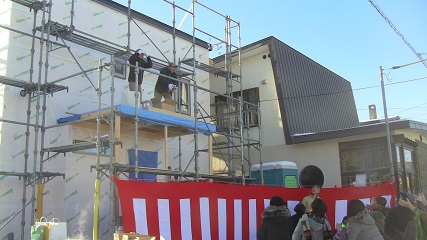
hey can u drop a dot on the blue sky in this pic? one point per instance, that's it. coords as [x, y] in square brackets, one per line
[349, 38]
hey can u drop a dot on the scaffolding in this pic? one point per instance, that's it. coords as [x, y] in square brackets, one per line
[234, 125]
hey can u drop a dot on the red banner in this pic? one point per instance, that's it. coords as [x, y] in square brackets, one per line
[202, 210]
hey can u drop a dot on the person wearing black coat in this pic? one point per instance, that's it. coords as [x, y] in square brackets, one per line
[299, 211]
[165, 86]
[144, 61]
[276, 223]
[398, 224]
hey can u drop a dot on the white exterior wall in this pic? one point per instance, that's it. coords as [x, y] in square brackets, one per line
[412, 135]
[71, 200]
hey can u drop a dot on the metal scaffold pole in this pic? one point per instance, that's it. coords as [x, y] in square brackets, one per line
[27, 132]
[230, 99]
[179, 95]
[35, 178]
[98, 156]
[136, 119]
[113, 154]
[196, 134]
[247, 123]
[242, 157]
[129, 20]
[40, 183]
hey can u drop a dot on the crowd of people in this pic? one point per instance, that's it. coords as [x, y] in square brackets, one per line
[376, 221]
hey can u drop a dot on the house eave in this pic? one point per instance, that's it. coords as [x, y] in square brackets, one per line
[360, 130]
[151, 21]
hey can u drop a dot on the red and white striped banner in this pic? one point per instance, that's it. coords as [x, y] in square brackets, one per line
[202, 210]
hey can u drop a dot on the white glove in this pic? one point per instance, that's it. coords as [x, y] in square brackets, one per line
[171, 87]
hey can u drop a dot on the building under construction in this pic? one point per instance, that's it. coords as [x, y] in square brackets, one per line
[69, 119]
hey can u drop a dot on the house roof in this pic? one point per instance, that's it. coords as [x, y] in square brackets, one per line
[311, 98]
[151, 21]
[315, 103]
[362, 129]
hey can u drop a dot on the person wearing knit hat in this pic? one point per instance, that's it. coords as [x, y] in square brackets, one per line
[144, 61]
[276, 223]
[276, 201]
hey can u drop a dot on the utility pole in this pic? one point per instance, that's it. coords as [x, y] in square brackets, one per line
[387, 128]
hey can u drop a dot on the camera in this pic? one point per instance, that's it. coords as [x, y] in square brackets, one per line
[403, 195]
[307, 235]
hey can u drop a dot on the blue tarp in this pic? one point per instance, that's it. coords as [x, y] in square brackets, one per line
[152, 117]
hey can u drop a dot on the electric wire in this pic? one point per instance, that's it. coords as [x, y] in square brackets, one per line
[397, 31]
[340, 92]
[357, 89]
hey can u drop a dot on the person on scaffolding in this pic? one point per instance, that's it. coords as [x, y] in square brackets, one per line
[166, 86]
[144, 61]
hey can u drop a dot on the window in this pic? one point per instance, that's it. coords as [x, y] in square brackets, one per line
[227, 110]
[406, 167]
[183, 96]
[120, 68]
[368, 157]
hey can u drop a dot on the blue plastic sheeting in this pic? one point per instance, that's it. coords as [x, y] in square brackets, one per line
[145, 159]
[151, 117]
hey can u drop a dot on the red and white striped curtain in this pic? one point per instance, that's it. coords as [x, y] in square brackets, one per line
[202, 210]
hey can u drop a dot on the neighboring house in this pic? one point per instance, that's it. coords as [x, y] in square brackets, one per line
[308, 116]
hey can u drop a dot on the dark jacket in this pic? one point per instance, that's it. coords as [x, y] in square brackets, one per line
[144, 63]
[275, 223]
[399, 224]
[163, 82]
[294, 221]
[379, 213]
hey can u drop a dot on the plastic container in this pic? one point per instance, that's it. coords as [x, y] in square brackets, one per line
[281, 173]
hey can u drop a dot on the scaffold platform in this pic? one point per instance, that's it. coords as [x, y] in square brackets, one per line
[28, 88]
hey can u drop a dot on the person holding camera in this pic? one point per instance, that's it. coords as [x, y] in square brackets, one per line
[420, 217]
[166, 86]
[314, 225]
[341, 230]
[144, 61]
[399, 223]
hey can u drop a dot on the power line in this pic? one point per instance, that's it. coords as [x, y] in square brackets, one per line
[357, 89]
[416, 115]
[410, 108]
[394, 108]
[397, 31]
[345, 91]
[411, 116]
